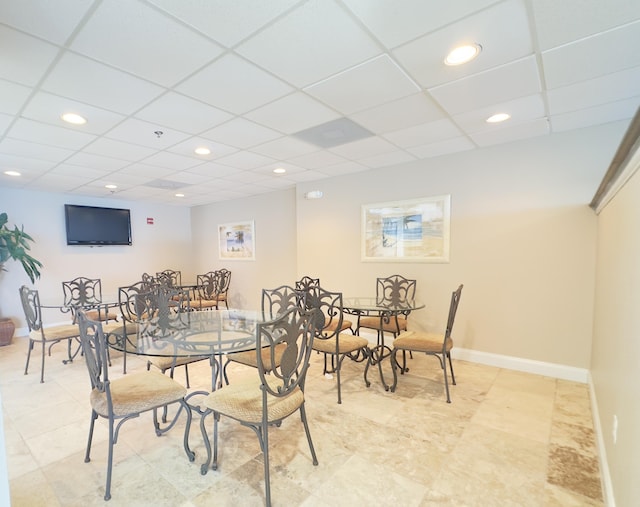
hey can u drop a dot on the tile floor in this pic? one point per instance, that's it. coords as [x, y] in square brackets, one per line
[508, 438]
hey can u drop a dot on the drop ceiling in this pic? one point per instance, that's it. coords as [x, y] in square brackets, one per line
[269, 84]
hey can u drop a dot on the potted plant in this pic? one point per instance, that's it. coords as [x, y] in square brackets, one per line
[15, 244]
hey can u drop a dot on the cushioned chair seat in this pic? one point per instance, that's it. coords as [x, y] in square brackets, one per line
[243, 401]
[249, 357]
[137, 392]
[421, 341]
[199, 304]
[390, 327]
[101, 315]
[347, 343]
[56, 333]
[346, 324]
[163, 363]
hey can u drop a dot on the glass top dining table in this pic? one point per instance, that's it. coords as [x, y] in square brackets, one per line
[198, 333]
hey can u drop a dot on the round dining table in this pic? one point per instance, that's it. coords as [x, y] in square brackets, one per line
[385, 310]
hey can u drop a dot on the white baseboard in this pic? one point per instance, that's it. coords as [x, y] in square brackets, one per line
[607, 486]
[519, 364]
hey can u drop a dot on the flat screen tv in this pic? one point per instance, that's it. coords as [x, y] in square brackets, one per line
[91, 225]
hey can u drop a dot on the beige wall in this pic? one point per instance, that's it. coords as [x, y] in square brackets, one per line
[274, 216]
[615, 365]
[165, 244]
[522, 241]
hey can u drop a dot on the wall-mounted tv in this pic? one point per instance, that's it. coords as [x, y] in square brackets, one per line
[91, 225]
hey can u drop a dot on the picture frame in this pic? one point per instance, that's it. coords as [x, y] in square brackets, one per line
[236, 241]
[416, 230]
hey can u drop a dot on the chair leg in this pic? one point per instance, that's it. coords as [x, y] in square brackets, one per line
[394, 369]
[29, 349]
[303, 416]
[446, 381]
[453, 377]
[42, 365]
[107, 491]
[87, 456]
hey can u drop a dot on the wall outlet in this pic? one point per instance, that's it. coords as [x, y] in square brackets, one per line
[614, 429]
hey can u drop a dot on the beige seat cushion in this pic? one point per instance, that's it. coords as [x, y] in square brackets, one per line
[165, 362]
[199, 304]
[421, 341]
[60, 332]
[243, 401]
[138, 392]
[389, 327]
[102, 315]
[346, 324]
[249, 357]
[347, 343]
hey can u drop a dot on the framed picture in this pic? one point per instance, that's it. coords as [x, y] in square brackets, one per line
[236, 241]
[407, 231]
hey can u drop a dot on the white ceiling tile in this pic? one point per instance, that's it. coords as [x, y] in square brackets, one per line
[213, 170]
[327, 40]
[317, 159]
[604, 113]
[84, 80]
[171, 160]
[235, 85]
[387, 159]
[586, 94]
[165, 52]
[343, 168]
[293, 113]
[242, 133]
[517, 79]
[367, 85]
[12, 96]
[442, 147]
[248, 177]
[28, 59]
[34, 150]
[306, 176]
[47, 108]
[143, 133]
[182, 113]
[397, 22]
[81, 172]
[25, 165]
[594, 56]
[187, 148]
[587, 17]
[96, 161]
[49, 134]
[227, 23]
[245, 160]
[502, 31]
[521, 110]
[287, 166]
[187, 178]
[364, 148]
[5, 121]
[118, 149]
[151, 172]
[58, 182]
[284, 148]
[50, 20]
[534, 128]
[425, 133]
[399, 114]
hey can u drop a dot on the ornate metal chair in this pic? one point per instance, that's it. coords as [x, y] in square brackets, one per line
[266, 401]
[433, 344]
[306, 284]
[224, 281]
[207, 291]
[392, 291]
[274, 302]
[169, 277]
[166, 310]
[330, 338]
[51, 335]
[127, 397]
[87, 293]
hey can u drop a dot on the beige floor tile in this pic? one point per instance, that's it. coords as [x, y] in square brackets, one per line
[507, 438]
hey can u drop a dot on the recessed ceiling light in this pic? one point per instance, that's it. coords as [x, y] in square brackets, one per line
[463, 54]
[202, 150]
[111, 186]
[497, 118]
[74, 118]
[179, 195]
[279, 170]
[12, 173]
